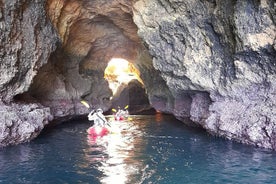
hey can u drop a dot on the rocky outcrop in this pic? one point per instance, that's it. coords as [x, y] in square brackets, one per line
[218, 61]
[22, 122]
[27, 40]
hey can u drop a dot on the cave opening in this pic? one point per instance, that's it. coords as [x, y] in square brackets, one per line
[127, 87]
[83, 66]
[120, 72]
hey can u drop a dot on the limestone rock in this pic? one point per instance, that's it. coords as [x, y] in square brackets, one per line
[27, 40]
[225, 49]
[133, 93]
[21, 123]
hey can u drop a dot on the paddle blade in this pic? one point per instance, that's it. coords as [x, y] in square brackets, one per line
[126, 106]
[114, 110]
[85, 103]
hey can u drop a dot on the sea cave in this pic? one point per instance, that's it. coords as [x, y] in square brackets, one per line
[211, 64]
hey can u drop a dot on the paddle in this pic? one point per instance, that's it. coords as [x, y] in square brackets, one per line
[85, 104]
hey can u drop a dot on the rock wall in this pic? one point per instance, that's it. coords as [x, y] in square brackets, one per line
[27, 40]
[218, 61]
[91, 33]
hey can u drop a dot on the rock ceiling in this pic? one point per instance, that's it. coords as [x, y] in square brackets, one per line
[96, 30]
[91, 34]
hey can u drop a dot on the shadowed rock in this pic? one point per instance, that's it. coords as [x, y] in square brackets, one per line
[226, 49]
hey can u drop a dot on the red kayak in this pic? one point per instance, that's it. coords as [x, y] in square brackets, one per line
[96, 131]
[119, 118]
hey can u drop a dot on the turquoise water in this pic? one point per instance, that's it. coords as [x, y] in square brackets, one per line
[147, 149]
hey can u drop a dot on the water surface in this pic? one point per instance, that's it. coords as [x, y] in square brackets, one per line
[146, 149]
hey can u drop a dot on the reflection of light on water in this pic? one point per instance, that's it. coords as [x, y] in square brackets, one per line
[113, 154]
[114, 167]
[158, 116]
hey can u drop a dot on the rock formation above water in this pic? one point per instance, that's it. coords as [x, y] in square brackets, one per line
[27, 40]
[219, 57]
[210, 63]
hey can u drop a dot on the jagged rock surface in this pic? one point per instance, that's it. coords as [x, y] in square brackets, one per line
[21, 123]
[222, 48]
[27, 39]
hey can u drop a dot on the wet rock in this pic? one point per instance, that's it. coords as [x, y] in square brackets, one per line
[27, 40]
[225, 49]
[133, 96]
[91, 33]
[21, 123]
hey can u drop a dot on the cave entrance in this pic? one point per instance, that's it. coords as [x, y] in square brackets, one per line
[119, 72]
[127, 86]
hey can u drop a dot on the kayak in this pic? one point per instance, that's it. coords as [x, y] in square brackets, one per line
[121, 115]
[96, 131]
[119, 118]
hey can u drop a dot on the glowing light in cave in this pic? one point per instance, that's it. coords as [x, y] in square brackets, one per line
[119, 72]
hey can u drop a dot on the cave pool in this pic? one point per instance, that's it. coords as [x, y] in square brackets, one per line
[151, 149]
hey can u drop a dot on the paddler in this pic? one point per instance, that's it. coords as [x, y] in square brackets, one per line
[98, 118]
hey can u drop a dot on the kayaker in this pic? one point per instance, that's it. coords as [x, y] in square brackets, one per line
[121, 114]
[98, 118]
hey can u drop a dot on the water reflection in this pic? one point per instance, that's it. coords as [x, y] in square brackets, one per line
[115, 153]
[121, 157]
[158, 116]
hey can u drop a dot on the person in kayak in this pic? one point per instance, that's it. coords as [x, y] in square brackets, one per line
[98, 118]
[121, 114]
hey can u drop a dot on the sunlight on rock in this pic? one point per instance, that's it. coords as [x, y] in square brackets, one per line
[120, 72]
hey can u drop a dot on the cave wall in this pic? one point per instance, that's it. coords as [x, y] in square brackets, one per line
[27, 40]
[54, 53]
[219, 57]
[131, 96]
[91, 33]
